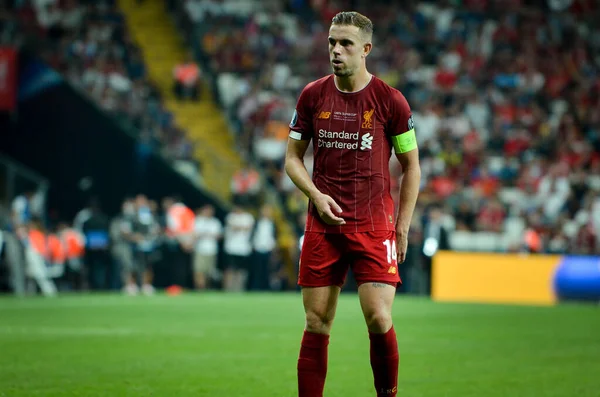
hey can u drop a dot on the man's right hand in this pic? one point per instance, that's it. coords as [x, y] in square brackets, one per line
[328, 209]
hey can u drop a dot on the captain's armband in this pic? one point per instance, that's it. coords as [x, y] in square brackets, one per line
[405, 142]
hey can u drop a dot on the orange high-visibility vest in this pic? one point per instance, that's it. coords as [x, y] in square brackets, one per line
[74, 243]
[37, 241]
[180, 220]
[56, 251]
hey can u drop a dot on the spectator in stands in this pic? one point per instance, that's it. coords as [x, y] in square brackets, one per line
[465, 216]
[26, 206]
[264, 243]
[533, 241]
[246, 186]
[208, 230]
[178, 238]
[146, 230]
[187, 79]
[122, 241]
[74, 246]
[435, 238]
[199, 10]
[239, 224]
[269, 148]
[34, 238]
[97, 254]
[491, 216]
[21, 213]
[553, 191]
[12, 258]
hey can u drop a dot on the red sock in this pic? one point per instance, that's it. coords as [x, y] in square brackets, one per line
[384, 362]
[312, 365]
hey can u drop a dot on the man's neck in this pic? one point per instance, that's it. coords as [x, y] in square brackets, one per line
[353, 83]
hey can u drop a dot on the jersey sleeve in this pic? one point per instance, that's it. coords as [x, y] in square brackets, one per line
[301, 126]
[401, 127]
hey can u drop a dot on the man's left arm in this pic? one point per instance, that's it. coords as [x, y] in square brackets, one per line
[409, 191]
[401, 129]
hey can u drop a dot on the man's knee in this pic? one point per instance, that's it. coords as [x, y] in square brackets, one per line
[318, 322]
[378, 321]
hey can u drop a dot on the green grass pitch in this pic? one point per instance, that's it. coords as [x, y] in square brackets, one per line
[247, 345]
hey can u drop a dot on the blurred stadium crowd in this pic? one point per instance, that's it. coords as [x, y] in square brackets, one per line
[143, 247]
[505, 96]
[89, 43]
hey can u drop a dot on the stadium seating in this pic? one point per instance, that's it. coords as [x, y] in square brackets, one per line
[509, 145]
[202, 121]
[495, 124]
[90, 43]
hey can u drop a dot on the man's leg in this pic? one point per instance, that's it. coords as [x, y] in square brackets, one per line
[199, 278]
[229, 273]
[147, 274]
[244, 266]
[319, 305]
[376, 301]
[376, 272]
[321, 275]
[227, 279]
[16, 262]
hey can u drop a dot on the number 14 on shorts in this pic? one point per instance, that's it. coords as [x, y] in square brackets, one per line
[392, 254]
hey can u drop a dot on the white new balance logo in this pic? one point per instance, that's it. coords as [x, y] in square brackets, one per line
[367, 142]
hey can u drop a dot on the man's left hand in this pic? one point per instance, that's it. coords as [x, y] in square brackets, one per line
[401, 246]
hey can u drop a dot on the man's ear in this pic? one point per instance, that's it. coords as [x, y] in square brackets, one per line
[367, 49]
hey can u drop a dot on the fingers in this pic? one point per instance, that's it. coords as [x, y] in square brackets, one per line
[331, 211]
[401, 248]
[332, 219]
[334, 205]
[401, 256]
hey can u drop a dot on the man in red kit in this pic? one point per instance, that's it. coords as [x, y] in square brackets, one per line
[354, 120]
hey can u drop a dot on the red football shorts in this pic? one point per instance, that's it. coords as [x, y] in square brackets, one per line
[326, 258]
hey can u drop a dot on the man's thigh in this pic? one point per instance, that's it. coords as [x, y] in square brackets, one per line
[322, 260]
[374, 257]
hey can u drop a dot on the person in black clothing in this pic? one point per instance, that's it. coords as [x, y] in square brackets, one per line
[435, 238]
[465, 216]
[97, 255]
[146, 230]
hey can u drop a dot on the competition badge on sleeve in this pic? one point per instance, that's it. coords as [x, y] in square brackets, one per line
[294, 119]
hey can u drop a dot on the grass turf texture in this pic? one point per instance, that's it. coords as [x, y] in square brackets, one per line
[247, 345]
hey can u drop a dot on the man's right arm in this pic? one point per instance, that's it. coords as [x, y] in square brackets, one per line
[296, 170]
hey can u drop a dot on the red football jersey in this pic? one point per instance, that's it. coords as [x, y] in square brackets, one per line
[352, 149]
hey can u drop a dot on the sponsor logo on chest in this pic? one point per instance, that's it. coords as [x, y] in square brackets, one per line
[345, 140]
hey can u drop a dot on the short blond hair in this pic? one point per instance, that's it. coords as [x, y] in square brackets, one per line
[353, 18]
